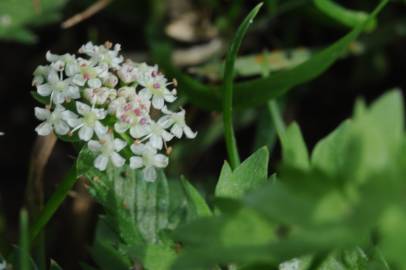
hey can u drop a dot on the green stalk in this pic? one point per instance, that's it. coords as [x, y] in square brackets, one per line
[229, 135]
[53, 203]
[24, 258]
[277, 118]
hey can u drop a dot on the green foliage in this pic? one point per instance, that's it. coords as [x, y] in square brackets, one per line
[332, 204]
[17, 15]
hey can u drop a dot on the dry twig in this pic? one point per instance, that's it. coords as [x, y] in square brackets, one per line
[87, 13]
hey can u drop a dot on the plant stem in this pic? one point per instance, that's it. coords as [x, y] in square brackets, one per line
[229, 135]
[53, 203]
[277, 118]
[24, 258]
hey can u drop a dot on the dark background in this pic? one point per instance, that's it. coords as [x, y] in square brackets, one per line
[318, 106]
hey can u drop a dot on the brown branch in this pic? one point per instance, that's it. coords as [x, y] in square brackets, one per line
[87, 13]
[41, 152]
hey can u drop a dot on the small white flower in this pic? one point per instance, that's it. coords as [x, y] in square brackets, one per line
[60, 90]
[40, 75]
[89, 74]
[154, 132]
[55, 120]
[66, 62]
[108, 149]
[89, 122]
[155, 86]
[146, 157]
[128, 72]
[176, 120]
[133, 116]
[110, 80]
[103, 54]
[99, 96]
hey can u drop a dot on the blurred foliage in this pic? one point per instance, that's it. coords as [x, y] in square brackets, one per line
[17, 17]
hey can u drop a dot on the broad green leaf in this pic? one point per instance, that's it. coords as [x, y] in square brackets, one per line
[345, 16]
[294, 149]
[258, 91]
[250, 174]
[137, 209]
[195, 201]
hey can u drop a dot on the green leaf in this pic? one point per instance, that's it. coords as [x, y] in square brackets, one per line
[229, 72]
[249, 175]
[345, 16]
[195, 201]
[294, 150]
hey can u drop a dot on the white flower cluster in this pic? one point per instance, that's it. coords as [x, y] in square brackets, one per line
[103, 99]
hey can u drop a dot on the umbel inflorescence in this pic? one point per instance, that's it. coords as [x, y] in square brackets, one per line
[110, 104]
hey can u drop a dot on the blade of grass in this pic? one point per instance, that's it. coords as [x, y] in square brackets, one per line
[231, 143]
[24, 259]
[53, 203]
[347, 17]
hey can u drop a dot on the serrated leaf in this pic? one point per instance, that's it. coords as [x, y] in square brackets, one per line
[195, 201]
[251, 173]
[294, 149]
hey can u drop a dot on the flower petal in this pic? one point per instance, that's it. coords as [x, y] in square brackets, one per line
[121, 127]
[44, 129]
[156, 141]
[160, 161]
[136, 162]
[119, 144]
[94, 146]
[158, 102]
[61, 128]
[100, 129]
[42, 114]
[44, 90]
[85, 133]
[177, 131]
[101, 162]
[117, 160]
[189, 133]
[82, 108]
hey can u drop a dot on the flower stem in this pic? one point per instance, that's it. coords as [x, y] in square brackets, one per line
[53, 203]
[277, 118]
[24, 258]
